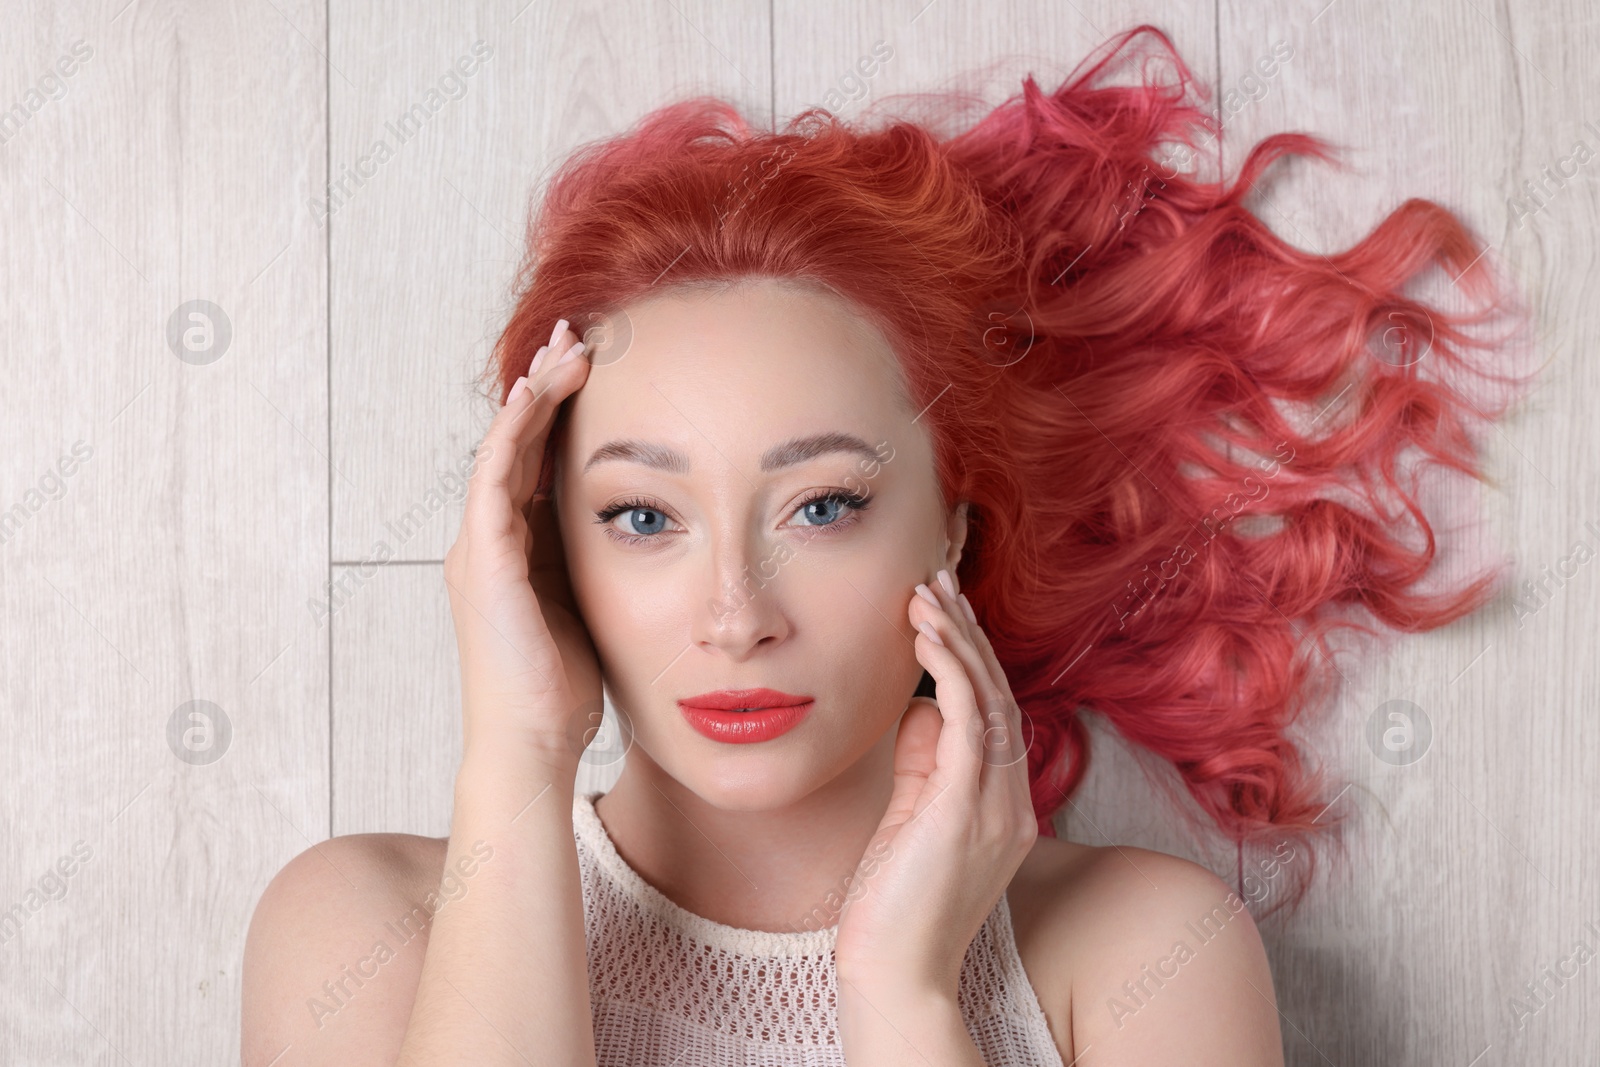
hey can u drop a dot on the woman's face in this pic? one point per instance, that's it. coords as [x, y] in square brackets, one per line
[705, 492]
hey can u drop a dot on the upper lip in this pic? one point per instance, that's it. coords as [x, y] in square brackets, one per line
[733, 699]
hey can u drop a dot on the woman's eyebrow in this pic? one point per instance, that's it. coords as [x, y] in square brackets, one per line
[787, 454]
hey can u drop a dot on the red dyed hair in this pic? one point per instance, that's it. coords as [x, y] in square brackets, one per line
[1110, 352]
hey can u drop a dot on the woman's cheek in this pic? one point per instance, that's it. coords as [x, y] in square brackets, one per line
[884, 632]
[627, 617]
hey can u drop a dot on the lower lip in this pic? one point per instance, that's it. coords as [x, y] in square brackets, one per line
[745, 727]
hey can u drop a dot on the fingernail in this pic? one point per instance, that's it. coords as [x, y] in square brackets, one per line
[929, 632]
[927, 594]
[966, 606]
[571, 354]
[537, 359]
[944, 580]
[516, 390]
[555, 334]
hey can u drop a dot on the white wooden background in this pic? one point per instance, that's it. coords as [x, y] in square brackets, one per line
[212, 500]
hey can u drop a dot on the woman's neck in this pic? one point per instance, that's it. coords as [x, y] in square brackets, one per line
[784, 869]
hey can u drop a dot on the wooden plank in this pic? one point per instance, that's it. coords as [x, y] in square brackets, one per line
[170, 564]
[847, 58]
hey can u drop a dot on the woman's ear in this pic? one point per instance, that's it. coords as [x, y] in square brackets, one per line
[956, 535]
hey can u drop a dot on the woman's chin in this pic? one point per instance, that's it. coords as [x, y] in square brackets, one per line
[749, 777]
[753, 781]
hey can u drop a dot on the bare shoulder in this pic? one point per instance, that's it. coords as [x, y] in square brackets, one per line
[335, 948]
[1149, 957]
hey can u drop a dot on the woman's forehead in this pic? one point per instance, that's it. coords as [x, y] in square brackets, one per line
[754, 320]
[743, 369]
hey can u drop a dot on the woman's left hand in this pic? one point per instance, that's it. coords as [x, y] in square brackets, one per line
[959, 822]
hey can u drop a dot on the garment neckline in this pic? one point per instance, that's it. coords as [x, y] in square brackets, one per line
[778, 943]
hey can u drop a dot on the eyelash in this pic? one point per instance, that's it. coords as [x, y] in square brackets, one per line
[856, 502]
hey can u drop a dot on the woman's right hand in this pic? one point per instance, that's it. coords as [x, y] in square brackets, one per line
[529, 674]
[527, 677]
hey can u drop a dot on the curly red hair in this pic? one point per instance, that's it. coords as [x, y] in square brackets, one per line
[1147, 396]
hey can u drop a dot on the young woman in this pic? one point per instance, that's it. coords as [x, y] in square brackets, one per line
[876, 458]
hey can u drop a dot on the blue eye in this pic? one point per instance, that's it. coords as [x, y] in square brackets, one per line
[640, 519]
[829, 507]
[643, 521]
[652, 523]
[838, 507]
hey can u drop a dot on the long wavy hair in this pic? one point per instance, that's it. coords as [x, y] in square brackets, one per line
[1181, 436]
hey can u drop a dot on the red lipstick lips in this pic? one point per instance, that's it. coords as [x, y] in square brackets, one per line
[745, 716]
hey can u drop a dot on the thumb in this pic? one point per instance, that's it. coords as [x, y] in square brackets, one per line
[915, 747]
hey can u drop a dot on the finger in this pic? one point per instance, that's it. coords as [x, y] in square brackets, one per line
[999, 737]
[915, 758]
[522, 420]
[980, 639]
[513, 448]
[550, 367]
[997, 672]
[950, 600]
[555, 372]
[500, 481]
[561, 337]
[990, 692]
[958, 757]
[961, 609]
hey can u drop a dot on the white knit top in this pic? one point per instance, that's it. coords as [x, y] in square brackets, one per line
[669, 987]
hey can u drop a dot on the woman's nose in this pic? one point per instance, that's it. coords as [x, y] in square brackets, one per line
[742, 607]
